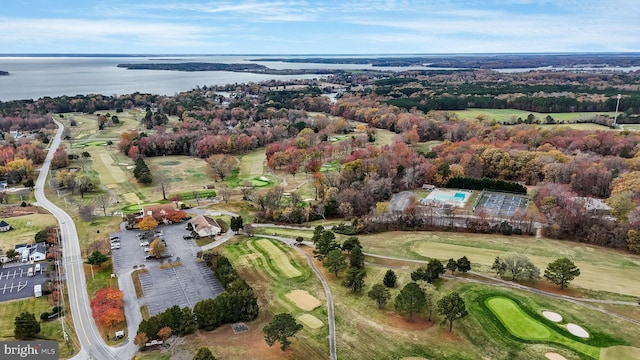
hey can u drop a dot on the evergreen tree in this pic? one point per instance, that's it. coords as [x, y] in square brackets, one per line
[356, 258]
[281, 328]
[26, 326]
[390, 279]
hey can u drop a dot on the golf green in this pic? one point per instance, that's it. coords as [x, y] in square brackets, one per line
[523, 326]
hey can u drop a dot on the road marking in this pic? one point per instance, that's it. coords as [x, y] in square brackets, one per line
[23, 286]
[4, 289]
[75, 290]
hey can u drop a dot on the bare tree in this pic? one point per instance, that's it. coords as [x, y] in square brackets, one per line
[103, 200]
[195, 197]
[225, 193]
[246, 187]
[86, 212]
[162, 182]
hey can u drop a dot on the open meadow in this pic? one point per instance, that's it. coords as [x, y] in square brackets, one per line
[502, 115]
[24, 229]
[601, 269]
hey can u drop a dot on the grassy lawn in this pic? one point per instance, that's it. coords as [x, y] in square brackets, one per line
[521, 325]
[505, 320]
[279, 259]
[601, 269]
[502, 115]
[24, 229]
[49, 330]
[253, 164]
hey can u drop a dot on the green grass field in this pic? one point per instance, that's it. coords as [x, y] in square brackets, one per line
[279, 258]
[523, 326]
[601, 269]
[24, 229]
[49, 330]
[502, 115]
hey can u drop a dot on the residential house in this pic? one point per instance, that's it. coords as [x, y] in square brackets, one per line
[4, 226]
[205, 226]
[34, 252]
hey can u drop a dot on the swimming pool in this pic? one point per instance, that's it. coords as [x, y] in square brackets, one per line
[447, 196]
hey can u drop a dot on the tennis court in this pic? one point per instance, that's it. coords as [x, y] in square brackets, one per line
[504, 204]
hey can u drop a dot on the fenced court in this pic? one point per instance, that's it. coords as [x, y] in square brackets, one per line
[503, 204]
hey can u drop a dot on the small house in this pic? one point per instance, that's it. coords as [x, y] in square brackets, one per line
[205, 226]
[4, 226]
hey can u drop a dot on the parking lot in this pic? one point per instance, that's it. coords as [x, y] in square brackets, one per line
[15, 284]
[163, 288]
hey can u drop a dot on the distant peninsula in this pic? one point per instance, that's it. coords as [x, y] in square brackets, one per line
[482, 61]
[4, 73]
[200, 66]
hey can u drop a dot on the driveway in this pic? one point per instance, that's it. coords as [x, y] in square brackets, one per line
[183, 285]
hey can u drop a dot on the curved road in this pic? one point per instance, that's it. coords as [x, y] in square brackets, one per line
[93, 347]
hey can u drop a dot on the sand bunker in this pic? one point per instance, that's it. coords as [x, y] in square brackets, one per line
[310, 321]
[554, 356]
[577, 330]
[303, 300]
[555, 317]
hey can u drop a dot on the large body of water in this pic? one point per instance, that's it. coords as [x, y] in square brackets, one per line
[36, 77]
[33, 77]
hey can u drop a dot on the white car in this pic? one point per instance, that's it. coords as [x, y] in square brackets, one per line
[115, 246]
[144, 243]
[147, 249]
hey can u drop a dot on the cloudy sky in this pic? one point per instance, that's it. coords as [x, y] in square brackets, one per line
[318, 27]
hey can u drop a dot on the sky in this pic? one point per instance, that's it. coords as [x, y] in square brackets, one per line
[318, 27]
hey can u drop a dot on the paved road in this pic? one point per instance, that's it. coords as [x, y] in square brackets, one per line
[93, 347]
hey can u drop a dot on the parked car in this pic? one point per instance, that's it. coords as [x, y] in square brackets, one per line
[139, 235]
[186, 237]
[115, 246]
[147, 249]
[114, 241]
[144, 243]
[115, 237]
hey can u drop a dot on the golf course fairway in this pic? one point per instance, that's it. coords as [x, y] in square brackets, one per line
[523, 326]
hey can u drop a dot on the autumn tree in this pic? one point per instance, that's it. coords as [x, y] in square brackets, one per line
[452, 307]
[335, 261]
[107, 307]
[220, 165]
[561, 272]
[519, 267]
[281, 328]
[148, 223]
[141, 340]
[157, 248]
[103, 201]
[380, 294]
[60, 159]
[410, 300]
[164, 333]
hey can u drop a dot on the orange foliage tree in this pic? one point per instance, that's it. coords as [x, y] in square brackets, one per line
[148, 223]
[107, 307]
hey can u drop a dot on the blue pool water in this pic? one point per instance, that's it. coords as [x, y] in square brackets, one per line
[439, 196]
